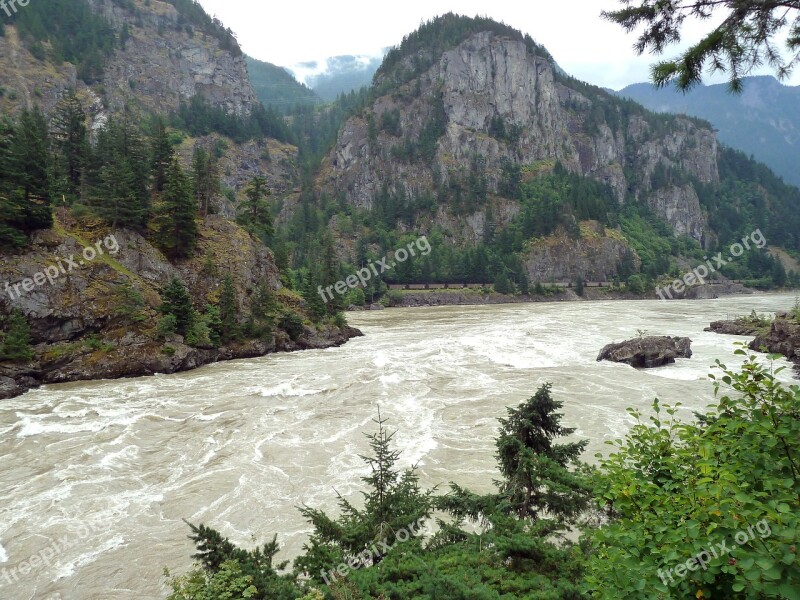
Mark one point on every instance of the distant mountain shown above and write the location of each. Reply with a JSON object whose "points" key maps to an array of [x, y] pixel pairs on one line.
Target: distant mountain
{"points": [[275, 86], [763, 121], [338, 74]]}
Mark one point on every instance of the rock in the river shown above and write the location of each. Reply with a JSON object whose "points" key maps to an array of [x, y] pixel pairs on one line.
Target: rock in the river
{"points": [[648, 352], [734, 328]]}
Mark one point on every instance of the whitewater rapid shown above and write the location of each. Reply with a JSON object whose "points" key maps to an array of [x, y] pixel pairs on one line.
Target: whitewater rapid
{"points": [[101, 474]]}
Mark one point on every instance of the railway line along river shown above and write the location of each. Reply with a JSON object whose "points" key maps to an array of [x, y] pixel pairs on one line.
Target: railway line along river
{"points": [[97, 477]]}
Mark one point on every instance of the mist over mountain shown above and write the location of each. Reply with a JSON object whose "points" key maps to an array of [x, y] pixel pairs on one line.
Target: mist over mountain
{"points": [[764, 121], [336, 75]]}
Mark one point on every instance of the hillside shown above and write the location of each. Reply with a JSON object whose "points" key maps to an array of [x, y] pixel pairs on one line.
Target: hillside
{"points": [[475, 138], [764, 121], [134, 124], [276, 87]]}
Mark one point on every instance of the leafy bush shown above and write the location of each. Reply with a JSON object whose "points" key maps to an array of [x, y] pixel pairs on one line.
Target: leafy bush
{"points": [[674, 491]]}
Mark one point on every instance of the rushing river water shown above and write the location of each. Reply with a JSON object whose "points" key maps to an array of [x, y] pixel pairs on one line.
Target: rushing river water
{"points": [[97, 477]]}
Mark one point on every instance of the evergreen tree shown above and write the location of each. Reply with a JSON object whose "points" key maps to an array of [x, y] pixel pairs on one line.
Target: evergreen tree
{"points": [[257, 217], [70, 138], [536, 477], [118, 175], [175, 221], [743, 41], [175, 301], [13, 215], [15, 343], [310, 292], [229, 310], [394, 501], [24, 180], [205, 177], [161, 155]]}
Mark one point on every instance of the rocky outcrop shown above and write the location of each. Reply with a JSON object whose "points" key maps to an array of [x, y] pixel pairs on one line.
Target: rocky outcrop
{"points": [[595, 256], [738, 327], [98, 319], [648, 352], [138, 355], [783, 337]]}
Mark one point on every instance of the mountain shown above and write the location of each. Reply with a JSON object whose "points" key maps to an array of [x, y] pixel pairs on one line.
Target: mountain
{"points": [[764, 121], [475, 139], [337, 75], [275, 86], [135, 154]]}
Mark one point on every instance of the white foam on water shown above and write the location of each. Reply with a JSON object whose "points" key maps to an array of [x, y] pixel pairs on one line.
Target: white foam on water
{"points": [[3, 554]]}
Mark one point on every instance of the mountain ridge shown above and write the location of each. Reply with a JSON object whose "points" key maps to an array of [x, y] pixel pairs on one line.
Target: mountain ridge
{"points": [[764, 121]]}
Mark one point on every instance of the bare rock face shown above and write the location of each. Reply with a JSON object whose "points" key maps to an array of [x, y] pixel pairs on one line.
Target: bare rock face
{"points": [[546, 118], [648, 352], [595, 257]]}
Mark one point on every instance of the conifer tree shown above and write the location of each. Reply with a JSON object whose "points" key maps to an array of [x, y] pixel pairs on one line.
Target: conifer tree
{"points": [[205, 177], [26, 161], [15, 343], [536, 476], [71, 142], [161, 155], [257, 217], [310, 293], [175, 222], [175, 301], [229, 310], [118, 176], [393, 502]]}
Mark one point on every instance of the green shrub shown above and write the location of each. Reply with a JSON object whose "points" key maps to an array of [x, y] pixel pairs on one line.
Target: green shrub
{"points": [[15, 338], [291, 323], [676, 490], [167, 327]]}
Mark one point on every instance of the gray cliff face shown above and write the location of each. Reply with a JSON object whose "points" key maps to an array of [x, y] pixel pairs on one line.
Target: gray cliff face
{"points": [[158, 68], [161, 66], [546, 118]]}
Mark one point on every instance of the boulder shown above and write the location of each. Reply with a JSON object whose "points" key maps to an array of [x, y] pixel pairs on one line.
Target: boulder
{"points": [[648, 352]]}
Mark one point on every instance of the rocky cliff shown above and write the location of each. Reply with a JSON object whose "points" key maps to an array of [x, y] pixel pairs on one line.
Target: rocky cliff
{"points": [[158, 63], [498, 102]]}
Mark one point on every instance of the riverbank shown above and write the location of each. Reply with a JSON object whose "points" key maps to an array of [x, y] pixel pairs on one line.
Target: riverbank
{"points": [[780, 336], [140, 356], [486, 296]]}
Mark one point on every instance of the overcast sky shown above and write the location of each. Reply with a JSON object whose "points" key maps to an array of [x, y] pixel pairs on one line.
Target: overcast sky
{"points": [[586, 46]]}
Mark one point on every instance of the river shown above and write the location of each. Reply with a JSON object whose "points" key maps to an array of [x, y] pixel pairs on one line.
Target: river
{"points": [[97, 477]]}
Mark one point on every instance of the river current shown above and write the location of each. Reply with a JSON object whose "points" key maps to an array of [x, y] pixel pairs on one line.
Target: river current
{"points": [[95, 478]]}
